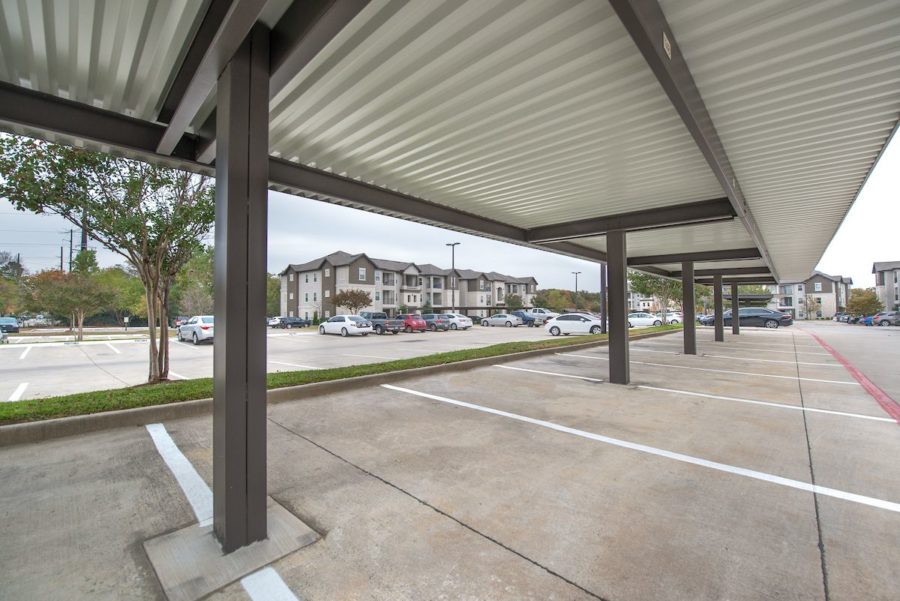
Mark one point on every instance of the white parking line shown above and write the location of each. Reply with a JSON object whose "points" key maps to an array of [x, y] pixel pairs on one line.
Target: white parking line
{"points": [[550, 373], [195, 489], [294, 365], [681, 457], [176, 376], [19, 391], [647, 350], [114, 349], [720, 371], [369, 357], [267, 585], [733, 347], [25, 352]]}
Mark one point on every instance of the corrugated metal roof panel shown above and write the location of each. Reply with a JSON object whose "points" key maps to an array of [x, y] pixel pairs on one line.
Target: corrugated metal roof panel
{"points": [[804, 95], [688, 238], [528, 112]]}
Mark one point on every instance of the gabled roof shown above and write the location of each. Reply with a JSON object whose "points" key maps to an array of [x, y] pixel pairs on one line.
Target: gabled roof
{"points": [[885, 266], [336, 259], [469, 274], [429, 269], [388, 265], [847, 280]]}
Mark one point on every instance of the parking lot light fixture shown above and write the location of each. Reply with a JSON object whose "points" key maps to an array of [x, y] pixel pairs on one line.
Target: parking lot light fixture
{"points": [[453, 246], [575, 273]]}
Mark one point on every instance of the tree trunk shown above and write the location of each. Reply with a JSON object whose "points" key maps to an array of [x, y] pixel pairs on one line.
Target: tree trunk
{"points": [[153, 375], [163, 358], [79, 317]]}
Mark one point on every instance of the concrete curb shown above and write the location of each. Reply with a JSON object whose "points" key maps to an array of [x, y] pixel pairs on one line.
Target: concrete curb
{"points": [[49, 429]]}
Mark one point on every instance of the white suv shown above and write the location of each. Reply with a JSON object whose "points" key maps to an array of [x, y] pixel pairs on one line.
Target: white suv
{"points": [[541, 315]]}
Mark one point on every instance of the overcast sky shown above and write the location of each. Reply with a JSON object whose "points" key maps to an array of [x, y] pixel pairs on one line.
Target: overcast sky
{"points": [[301, 229]]}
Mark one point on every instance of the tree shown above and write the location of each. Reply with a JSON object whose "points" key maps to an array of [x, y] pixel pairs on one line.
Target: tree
{"points": [[354, 300], [128, 292], [514, 302], [812, 305], [11, 292], [10, 268], [553, 299], [273, 295], [663, 289], [192, 292], [74, 295], [863, 302], [152, 216]]}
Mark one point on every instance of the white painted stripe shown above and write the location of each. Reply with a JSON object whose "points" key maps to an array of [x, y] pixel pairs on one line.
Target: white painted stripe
{"points": [[114, 349], [730, 347], [294, 365], [721, 371], [646, 350], [369, 357], [19, 391], [17, 339], [195, 489], [267, 585], [722, 467], [550, 373], [76, 344], [176, 376], [25, 352]]}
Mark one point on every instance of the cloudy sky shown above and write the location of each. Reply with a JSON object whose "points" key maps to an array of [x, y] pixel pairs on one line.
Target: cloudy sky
{"points": [[301, 229]]}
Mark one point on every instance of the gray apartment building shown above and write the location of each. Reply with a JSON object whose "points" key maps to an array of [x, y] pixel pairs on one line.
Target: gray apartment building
{"points": [[829, 295], [308, 289], [887, 284]]}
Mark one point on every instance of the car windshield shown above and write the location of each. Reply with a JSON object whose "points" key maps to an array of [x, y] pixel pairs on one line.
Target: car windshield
{"points": [[8, 320], [207, 319], [356, 319]]}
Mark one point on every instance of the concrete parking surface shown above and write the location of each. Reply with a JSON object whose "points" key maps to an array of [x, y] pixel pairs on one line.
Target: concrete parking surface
{"points": [[759, 469]]}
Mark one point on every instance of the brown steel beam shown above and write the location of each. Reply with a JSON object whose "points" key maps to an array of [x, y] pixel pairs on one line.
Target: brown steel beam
{"points": [[718, 309], [705, 211], [746, 280], [698, 273], [735, 310], [688, 306], [646, 24], [734, 254], [619, 366]]}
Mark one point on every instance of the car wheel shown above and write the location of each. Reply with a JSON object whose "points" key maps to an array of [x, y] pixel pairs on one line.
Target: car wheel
{"points": [[364, 334], [453, 326], [196, 340], [290, 326], [595, 330], [407, 329], [657, 323], [433, 328], [771, 323], [485, 323], [379, 330], [344, 332], [508, 324], [554, 330], [629, 325], [322, 330], [674, 321], [884, 322]]}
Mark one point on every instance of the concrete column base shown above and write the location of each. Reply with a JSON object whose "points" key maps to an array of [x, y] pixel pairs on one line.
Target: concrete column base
{"points": [[190, 563]]}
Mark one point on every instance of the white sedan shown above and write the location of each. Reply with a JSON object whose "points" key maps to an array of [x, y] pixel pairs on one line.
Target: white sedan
{"points": [[458, 322], [502, 319], [197, 329], [347, 325], [643, 319], [574, 323]]}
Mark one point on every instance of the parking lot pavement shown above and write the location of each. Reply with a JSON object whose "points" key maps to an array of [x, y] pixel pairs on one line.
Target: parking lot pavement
{"points": [[534, 479], [57, 368]]}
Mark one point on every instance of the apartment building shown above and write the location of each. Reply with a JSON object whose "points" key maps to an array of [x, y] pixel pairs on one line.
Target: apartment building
{"points": [[308, 289], [887, 284], [819, 297]]}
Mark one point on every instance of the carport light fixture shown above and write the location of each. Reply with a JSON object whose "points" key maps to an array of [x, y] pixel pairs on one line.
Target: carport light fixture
{"points": [[453, 246], [576, 288]]}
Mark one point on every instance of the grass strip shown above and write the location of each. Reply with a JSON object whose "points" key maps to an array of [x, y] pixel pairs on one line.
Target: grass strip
{"points": [[147, 395]]}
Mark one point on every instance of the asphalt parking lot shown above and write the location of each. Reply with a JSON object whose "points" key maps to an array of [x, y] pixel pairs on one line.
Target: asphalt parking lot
{"points": [[759, 469], [54, 368]]}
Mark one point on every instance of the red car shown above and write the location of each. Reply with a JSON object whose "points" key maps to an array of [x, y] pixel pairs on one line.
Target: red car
{"points": [[413, 323]]}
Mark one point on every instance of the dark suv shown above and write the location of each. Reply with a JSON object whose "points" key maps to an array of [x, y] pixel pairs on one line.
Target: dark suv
{"points": [[293, 322], [527, 320], [436, 322], [753, 316]]}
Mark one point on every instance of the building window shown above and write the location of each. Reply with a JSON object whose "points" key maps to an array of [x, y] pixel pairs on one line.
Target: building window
{"points": [[799, 287], [327, 293], [327, 273], [314, 297], [327, 314], [306, 315], [307, 278], [291, 277], [409, 298], [291, 296], [817, 286], [378, 295], [362, 274], [453, 281], [377, 276], [290, 313]]}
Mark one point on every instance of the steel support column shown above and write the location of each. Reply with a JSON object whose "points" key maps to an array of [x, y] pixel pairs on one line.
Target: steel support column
{"points": [[239, 364], [735, 308], [718, 309], [616, 257], [603, 298], [690, 318]]}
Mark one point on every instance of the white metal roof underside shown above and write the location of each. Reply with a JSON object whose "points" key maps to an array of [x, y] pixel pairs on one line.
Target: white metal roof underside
{"points": [[533, 112], [803, 95]]}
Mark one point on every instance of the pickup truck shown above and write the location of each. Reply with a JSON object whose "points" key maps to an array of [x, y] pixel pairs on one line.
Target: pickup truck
{"points": [[541, 315], [381, 323]]}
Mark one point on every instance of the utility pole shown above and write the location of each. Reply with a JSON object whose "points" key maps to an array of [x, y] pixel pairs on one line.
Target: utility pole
{"points": [[453, 246], [60, 258], [71, 240], [84, 236], [576, 288]]}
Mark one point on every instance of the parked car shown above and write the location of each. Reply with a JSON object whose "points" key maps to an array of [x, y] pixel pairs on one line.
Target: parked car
{"points": [[181, 320], [866, 320], [501, 319], [643, 319], [574, 323], [412, 323], [754, 316], [541, 315], [9, 325], [273, 322], [436, 321], [844, 318], [4, 338], [837, 317], [293, 322], [381, 323], [458, 322], [672, 317], [853, 318], [197, 329], [527, 318], [889, 318], [346, 325]]}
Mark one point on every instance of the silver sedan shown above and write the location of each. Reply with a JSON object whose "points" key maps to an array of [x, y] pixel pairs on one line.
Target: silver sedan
{"points": [[502, 319]]}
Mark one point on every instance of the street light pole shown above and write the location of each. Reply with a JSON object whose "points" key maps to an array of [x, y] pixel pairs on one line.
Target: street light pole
{"points": [[453, 246], [576, 288]]}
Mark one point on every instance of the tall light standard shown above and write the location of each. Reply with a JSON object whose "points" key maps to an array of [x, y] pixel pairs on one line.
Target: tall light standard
{"points": [[453, 246], [576, 288]]}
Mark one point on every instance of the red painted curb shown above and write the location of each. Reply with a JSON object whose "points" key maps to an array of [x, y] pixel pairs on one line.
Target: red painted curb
{"points": [[890, 406]]}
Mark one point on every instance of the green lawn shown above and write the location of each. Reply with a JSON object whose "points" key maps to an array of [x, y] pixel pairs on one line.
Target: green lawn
{"points": [[187, 390]]}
